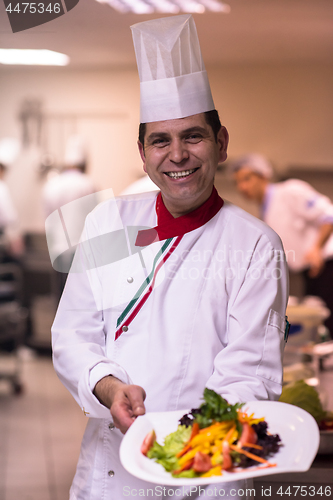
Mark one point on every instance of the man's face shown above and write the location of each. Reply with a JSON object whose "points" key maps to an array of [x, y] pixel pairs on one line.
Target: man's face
{"points": [[181, 157], [250, 184]]}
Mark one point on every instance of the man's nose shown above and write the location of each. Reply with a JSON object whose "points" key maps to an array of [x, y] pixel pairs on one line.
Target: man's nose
{"points": [[178, 151]]}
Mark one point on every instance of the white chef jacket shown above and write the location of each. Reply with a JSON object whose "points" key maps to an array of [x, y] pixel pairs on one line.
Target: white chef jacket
{"points": [[215, 318], [296, 211], [8, 214], [70, 193], [64, 188]]}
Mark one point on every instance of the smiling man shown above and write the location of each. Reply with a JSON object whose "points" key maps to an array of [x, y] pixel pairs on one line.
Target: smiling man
{"points": [[199, 298], [181, 157]]}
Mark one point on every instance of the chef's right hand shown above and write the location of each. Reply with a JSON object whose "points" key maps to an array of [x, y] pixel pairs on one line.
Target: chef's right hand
{"points": [[124, 401]]}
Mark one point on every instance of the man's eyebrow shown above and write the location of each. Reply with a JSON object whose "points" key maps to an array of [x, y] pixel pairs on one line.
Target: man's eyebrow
{"points": [[196, 128], [157, 135]]}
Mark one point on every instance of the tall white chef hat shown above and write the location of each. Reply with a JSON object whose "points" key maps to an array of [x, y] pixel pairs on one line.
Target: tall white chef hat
{"points": [[9, 149], [75, 152], [173, 79], [256, 162]]}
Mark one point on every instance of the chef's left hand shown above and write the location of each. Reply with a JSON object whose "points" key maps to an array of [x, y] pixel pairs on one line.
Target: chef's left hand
{"points": [[314, 257]]}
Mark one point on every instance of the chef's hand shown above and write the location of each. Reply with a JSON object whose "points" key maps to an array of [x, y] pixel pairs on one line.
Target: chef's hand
{"points": [[314, 257], [124, 401]]}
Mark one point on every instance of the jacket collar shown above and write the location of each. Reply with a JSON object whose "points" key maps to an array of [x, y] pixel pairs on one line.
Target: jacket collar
{"points": [[169, 226]]}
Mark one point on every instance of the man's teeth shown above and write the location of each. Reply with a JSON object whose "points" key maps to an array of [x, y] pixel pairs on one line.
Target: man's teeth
{"points": [[176, 175]]}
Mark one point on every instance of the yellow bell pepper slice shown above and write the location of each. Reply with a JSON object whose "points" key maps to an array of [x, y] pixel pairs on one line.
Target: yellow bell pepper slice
{"points": [[214, 471]]}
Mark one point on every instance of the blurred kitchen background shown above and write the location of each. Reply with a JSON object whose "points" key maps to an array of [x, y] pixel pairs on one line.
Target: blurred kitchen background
{"points": [[270, 67]]}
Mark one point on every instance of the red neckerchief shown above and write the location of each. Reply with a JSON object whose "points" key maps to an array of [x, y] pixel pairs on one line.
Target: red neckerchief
{"points": [[169, 226]]}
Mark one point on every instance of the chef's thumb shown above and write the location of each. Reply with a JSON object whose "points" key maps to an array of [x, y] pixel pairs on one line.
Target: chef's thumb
{"points": [[136, 396]]}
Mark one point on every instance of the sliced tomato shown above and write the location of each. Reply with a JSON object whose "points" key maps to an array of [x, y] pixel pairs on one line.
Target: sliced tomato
{"points": [[227, 460], [148, 442], [202, 462], [248, 435]]}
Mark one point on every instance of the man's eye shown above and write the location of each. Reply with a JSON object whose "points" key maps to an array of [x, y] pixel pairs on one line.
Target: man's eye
{"points": [[194, 138], [159, 142]]}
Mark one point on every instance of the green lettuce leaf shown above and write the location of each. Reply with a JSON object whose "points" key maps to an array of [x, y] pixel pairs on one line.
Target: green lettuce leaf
{"points": [[186, 473], [173, 443], [215, 408]]}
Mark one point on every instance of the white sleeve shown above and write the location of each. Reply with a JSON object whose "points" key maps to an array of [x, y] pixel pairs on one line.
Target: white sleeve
{"points": [[78, 341], [309, 204], [250, 367], [8, 215]]}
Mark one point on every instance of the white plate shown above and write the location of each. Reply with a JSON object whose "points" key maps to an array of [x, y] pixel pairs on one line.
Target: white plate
{"points": [[297, 429]]}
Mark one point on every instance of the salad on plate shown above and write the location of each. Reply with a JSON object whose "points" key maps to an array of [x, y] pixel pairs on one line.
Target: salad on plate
{"points": [[213, 438]]}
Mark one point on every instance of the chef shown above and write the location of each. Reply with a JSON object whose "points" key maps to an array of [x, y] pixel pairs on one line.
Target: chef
{"points": [[73, 182], [142, 185], [171, 291], [11, 241], [59, 196], [301, 216]]}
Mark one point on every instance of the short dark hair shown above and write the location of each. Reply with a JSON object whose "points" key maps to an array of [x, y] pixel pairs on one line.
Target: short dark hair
{"points": [[211, 117]]}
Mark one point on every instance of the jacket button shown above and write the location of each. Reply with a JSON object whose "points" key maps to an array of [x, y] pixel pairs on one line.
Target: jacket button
{"points": [[130, 279], [125, 328], [111, 473], [111, 426]]}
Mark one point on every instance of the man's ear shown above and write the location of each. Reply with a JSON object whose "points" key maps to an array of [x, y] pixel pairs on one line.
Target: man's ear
{"points": [[223, 141], [142, 154]]}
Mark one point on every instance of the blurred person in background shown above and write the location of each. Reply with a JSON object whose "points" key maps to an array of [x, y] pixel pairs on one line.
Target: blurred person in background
{"points": [[11, 241], [71, 184], [11, 251], [142, 185], [302, 217]]}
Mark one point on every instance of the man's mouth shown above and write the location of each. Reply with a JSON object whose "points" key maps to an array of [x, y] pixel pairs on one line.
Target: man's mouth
{"points": [[178, 175]]}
